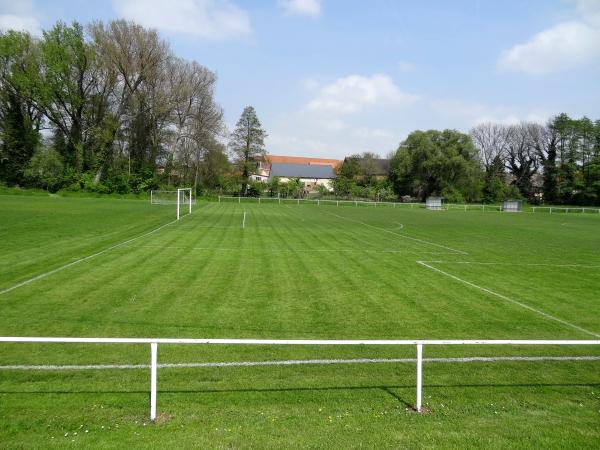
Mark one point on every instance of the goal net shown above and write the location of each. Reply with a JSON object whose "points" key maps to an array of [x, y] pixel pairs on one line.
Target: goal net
{"points": [[163, 197], [182, 198]]}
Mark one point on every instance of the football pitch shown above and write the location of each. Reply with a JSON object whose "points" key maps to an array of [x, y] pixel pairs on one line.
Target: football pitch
{"points": [[85, 267]]}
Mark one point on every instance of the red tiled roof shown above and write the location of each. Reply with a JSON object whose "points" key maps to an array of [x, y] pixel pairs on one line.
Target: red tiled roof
{"points": [[303, 160]]}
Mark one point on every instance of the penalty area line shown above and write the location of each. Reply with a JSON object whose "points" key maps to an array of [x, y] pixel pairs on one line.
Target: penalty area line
{"points": [[85, 258], [508, 299], [422, 241], [296, 362]]}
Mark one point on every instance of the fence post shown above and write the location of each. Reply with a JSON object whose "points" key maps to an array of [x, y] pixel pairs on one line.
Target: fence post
{"points": [[337, 203], [419, 375], [239, 199], [153, 365], [219, 199]]}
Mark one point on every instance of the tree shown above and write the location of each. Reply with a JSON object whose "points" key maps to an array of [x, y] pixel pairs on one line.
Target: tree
{"points": [[135, 63], [45, 169], [437, 163], [20, 122], [247, 143], [65, 85], [18, 140], [214, 165], [490, 141], [522, 160]]}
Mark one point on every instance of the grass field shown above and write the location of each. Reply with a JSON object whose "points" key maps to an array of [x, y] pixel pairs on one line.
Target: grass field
{"points": [[123, 268]]}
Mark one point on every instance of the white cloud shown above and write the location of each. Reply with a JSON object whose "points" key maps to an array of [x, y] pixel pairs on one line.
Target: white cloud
{"points": [[354, 93], [209, 19], [455, 112], [20, 23], [564, 46], [352, 114], [301, 7], [20, 16]]}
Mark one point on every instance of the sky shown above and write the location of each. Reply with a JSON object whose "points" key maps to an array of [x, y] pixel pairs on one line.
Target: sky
{"points": [[330, 78]]}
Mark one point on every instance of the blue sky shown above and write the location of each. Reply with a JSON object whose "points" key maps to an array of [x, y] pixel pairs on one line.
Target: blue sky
{"points": [[331, 77]]}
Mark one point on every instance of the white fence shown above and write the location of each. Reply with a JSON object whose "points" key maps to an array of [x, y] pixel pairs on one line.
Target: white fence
{"points": [[446, 206], [315, 201], [555, 209], [299, 342]]}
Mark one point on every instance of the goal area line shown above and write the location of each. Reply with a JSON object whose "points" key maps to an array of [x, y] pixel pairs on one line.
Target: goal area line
{"points": [[299, 362], [427, 264], [385, 230]]}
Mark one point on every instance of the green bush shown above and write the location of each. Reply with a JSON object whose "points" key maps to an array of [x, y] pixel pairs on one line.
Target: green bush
{"points": [[45, 170]]}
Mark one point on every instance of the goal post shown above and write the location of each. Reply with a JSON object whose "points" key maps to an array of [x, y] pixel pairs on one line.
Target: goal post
{"points": [[184, 198]]}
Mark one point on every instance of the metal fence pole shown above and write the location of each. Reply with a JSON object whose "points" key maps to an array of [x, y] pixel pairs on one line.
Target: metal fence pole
{"points": [[419, 376], [153, 366]]}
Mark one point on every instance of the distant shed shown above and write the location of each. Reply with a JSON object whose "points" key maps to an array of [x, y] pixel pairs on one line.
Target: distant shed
{"points": [[512, 206], [434, 203]]}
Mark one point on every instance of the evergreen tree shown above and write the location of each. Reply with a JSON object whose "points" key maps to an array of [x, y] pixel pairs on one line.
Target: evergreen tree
{"points": [[247, 144], [18, 140]]}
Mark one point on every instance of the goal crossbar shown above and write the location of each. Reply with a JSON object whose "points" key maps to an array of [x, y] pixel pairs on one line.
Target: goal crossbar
{"points": [[419, 343]]}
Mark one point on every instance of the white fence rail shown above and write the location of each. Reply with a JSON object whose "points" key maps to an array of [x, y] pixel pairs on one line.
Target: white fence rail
{"points": [[446, 206], [315, 201], [300, 342], [556, 209]]}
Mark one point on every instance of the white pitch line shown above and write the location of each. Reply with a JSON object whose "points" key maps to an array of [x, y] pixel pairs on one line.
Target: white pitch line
{"points": [[85, 258], [398, 234], [244, 220], [508, 299], [291, 250], [294, 362], [583, 266]]}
